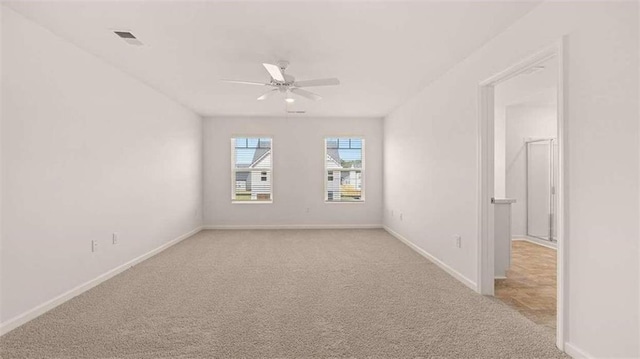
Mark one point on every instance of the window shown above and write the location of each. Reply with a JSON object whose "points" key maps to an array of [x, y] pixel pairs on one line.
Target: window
{"points": [[344, 169], [251, 169]]}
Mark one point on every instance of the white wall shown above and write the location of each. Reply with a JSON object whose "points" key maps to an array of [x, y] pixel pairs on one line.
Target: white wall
{"points": [[524, 121], [298, 172], [1, 161], [436, 132], [87, 151]]}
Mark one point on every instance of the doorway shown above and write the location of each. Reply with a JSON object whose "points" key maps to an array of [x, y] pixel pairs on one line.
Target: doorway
{"points": [[538, 200]]}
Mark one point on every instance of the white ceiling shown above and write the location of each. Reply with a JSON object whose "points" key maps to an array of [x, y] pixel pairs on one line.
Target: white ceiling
{"points": [[382, 52]]}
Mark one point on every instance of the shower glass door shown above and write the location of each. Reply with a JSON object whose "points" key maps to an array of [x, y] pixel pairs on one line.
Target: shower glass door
{"points": [[540, 189]]}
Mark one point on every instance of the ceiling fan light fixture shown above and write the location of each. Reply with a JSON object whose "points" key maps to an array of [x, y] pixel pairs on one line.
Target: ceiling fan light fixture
{"points": [[290, 99]]}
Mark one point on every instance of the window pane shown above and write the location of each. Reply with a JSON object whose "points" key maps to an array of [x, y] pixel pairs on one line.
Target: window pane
{"points": [[244, 157], [254, 185], [252, 169], [344, 186], [265, 143], [332, 143], [351, 158], [249, 151], [343, 165]]}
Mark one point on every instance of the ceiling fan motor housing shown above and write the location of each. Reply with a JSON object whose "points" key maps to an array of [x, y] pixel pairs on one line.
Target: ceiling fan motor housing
{"points": [[283, 64]]}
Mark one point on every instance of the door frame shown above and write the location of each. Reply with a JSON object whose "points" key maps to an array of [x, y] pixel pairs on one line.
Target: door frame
{"points": [[486, 255]]}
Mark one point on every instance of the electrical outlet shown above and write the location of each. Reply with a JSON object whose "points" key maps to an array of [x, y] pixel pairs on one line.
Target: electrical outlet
{"points": [[458, 241], [401, 216], [94, 245], [114, 238], [307, 210]]}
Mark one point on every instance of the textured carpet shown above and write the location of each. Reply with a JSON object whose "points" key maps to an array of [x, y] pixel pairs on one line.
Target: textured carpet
{"points": [[284, 294]]}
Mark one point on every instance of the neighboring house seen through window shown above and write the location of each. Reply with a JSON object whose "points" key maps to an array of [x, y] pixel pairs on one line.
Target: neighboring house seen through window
{"points": [[344, 169], [251, 169]]}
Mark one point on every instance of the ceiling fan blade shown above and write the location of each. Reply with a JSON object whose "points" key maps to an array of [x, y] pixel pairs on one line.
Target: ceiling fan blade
{"points": [[245, 82], [275, 72], [319, 82], [307, 94], [267, 95]]}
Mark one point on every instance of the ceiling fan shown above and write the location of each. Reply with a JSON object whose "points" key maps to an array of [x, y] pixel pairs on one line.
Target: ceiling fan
{"points": [[287, 84]]}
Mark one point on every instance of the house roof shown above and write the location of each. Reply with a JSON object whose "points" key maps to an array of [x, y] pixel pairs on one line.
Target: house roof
{"points": [[333, 152], [259, 155], [335, 155]]}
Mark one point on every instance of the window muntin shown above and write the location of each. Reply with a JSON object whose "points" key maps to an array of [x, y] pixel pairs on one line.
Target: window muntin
{"points": [[344, 169], [251, 169]]}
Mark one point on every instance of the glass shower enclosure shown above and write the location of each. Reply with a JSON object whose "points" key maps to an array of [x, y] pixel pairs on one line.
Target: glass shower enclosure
{"points": [[541, 181]]}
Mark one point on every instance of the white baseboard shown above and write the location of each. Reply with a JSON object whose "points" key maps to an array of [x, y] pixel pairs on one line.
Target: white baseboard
{"points": [[21, 319], [293, 226], [457, 275], [575, 352]]}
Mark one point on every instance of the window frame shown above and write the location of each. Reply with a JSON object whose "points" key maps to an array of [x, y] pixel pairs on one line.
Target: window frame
{"points": [[233, 170], [362, 170]]}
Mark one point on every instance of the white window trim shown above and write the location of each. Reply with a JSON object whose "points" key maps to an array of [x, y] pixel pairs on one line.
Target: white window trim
{"points": [[362, 170], [233, 170]]}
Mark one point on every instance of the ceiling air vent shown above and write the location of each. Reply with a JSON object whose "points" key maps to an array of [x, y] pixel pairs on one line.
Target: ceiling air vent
{"points": [[297, 112], [128, 37]]}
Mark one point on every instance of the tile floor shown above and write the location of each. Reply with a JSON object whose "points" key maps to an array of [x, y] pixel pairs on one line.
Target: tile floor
{"points": [[530, 286]]}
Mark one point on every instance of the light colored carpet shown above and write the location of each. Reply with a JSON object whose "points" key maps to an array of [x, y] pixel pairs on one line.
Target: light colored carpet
{"points": [[284, 294]]}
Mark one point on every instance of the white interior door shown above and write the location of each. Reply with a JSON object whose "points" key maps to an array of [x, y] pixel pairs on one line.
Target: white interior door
{"points": [[539, 194]]}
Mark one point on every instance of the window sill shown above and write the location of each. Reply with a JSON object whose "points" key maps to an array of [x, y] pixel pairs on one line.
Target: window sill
{"points": [[344, 202], [251, 202]]}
